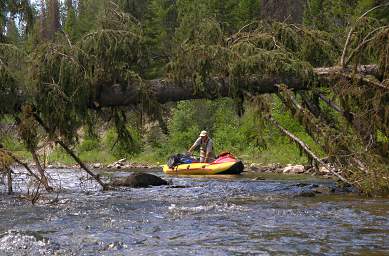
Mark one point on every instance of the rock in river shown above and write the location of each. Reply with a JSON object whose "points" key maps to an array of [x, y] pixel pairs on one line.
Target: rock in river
{"points": [[139, 180]]}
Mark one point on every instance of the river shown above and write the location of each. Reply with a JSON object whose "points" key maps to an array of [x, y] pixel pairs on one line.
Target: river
{"points": [[199, 216]]}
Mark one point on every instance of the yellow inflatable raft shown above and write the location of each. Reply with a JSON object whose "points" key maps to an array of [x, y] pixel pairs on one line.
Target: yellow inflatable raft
{"points": [[224, 164]]}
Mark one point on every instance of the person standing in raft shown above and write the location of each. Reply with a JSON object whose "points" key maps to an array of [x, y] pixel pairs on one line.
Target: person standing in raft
{"points": [[206, 147]]}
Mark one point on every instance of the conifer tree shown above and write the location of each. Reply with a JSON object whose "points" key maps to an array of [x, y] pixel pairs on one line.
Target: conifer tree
{"points": [[53, 18], [70, 22], [247, 11], [13, 34]]}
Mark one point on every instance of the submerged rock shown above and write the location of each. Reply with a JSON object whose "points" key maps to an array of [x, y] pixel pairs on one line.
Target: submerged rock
{"points": [[308, 190], [139, 180], [306, 194], [324, 190]]}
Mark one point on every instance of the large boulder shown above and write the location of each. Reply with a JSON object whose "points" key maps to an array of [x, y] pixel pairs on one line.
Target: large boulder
{"points": [[139, 180]]}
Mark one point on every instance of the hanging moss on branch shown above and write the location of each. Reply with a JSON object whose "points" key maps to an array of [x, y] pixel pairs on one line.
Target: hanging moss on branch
{"points": [[12, 64], [58, 81], [67, 77]]}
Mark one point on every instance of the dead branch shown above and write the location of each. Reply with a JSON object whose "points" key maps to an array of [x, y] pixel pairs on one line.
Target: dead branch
{"points": [[365, 80], [307, 150], [330, 103], [342, 62], [364, 42], [41, 171], [71, 153], [9, 181], [23, 164]]}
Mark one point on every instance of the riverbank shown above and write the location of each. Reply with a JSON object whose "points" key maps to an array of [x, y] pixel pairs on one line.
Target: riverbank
{"points": [[289, 169]]}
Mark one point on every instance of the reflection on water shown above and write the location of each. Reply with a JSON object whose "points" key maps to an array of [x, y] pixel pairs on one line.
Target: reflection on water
{"points": [[207, 216]]}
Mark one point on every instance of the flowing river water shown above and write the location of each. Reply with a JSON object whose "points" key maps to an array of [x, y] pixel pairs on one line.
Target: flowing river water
{"points": [[196, 216]]}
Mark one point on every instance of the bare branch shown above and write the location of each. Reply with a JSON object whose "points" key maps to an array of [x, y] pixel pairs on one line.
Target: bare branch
{"points": [[368, 38], [342, 62], [307, 150], [71, 153]]}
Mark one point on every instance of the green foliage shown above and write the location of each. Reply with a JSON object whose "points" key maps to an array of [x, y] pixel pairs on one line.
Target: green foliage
{"points": [[59, 156], [123, 148], [13, 32], [59, 84], [11, 143], [70, 23], [189, 15], [89, 12], [248, 136], [247, 11], [11, 70], [5, 161], [94, 150], [154, 138], [8, 90], [9, 9], [137, 8], [332, 15], [89, 144], [28, 128], [122, 42], [160, 27]]}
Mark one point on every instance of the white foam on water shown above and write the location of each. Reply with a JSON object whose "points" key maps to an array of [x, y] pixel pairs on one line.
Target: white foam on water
{"points": [[16, 243], [216, 207]]}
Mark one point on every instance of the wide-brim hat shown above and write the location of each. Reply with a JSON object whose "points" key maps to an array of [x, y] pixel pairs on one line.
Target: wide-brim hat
{"points": [[203, 133]]}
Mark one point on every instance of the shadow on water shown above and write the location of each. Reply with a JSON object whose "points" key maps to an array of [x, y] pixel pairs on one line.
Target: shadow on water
{"points": [[197, 216]]}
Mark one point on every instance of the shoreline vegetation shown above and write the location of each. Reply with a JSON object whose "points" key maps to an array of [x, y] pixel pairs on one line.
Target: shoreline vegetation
{"points": [[259, 146], [93, 81], [263, 149]]}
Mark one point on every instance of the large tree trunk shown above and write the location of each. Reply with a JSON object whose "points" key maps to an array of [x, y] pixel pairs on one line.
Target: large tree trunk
{"points": [[290, 11], [43, 21], [53, 16], [162, 91], [69, 4], [111, 95]]}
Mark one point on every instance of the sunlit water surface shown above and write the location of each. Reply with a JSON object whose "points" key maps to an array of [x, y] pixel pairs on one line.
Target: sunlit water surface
{"points": [[202, 216]]}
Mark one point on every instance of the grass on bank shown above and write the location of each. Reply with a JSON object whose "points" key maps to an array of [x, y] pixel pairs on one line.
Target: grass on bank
{"points": [[243, 136], [280, 151]]}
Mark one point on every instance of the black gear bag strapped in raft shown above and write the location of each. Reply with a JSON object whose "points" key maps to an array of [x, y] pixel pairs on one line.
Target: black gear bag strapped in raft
{"points": [[178, 159]]}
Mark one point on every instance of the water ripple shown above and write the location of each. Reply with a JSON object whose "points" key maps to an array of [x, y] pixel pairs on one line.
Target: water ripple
{"points": [[201, 216]]}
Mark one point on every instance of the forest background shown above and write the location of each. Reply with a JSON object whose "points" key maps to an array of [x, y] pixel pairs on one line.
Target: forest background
{"points": [[234, 125]]}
